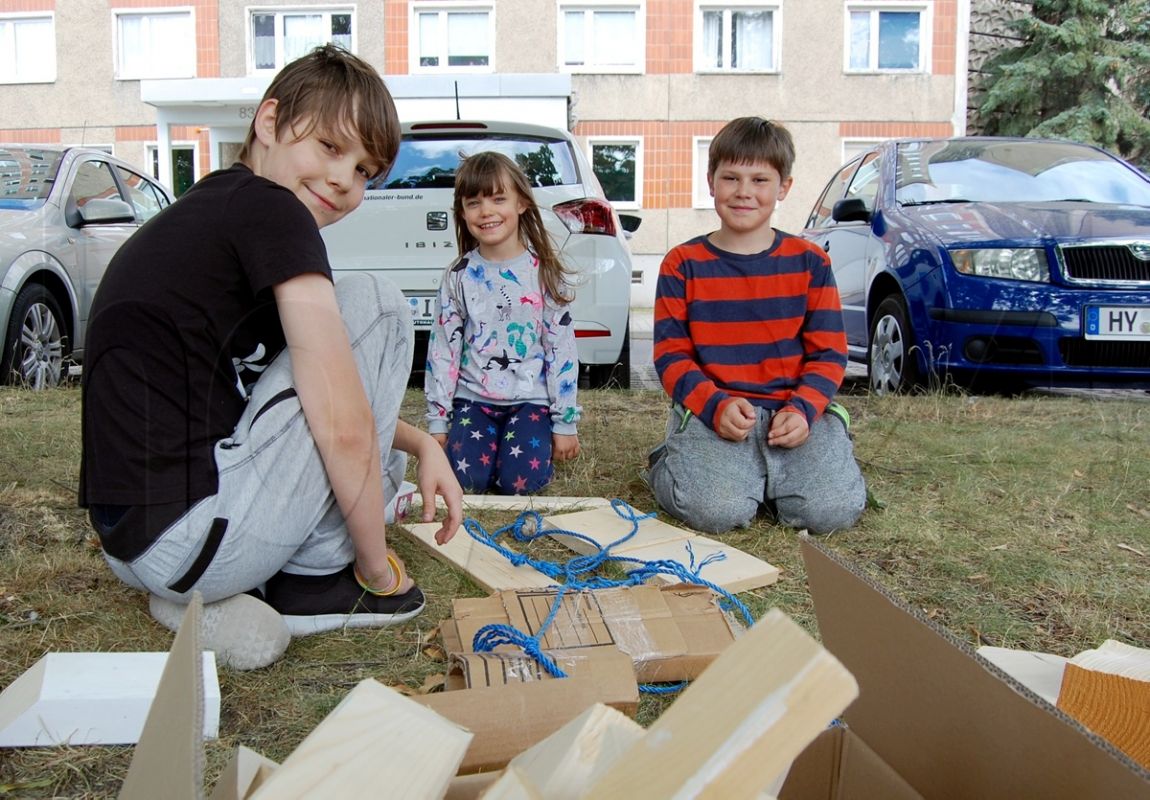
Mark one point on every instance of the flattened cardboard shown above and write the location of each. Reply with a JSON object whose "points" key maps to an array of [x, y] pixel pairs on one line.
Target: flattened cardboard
{"points": [[610, 670], [951, 724], [671, 633]]}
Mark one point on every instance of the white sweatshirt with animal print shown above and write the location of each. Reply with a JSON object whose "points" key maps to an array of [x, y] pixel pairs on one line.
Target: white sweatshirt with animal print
{"points": [[497, 339]]}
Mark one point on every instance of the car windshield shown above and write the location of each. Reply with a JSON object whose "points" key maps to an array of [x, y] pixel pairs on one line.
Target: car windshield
{"points": [[26, 176], [428, 161], [1014, 171]]}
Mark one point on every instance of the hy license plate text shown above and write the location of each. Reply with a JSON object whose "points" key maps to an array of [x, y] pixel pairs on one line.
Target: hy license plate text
{"points": [[422, 310], [1129, 323]]}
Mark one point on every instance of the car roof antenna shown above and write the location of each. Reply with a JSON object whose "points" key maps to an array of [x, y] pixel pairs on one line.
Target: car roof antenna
{"points": [[457, 117]]}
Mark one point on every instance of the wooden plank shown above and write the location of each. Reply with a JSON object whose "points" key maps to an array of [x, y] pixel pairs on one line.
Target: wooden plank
{"points": [[564, 764], [738, 726], [245, 773], [512, 785], [656, 540], [376, 742], [485, 566]]}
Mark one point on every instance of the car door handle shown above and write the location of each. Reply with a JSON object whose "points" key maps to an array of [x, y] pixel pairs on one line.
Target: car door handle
{"points": [[827, 246]]}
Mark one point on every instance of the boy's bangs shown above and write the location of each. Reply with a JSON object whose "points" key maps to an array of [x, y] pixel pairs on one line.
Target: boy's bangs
{"points": [[353, 120]]}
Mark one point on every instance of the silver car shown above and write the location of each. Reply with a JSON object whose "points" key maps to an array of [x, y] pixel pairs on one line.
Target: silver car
{"points": [[405, 230], [64, 211]]}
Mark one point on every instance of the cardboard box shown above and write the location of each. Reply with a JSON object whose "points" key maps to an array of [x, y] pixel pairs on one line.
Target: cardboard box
{"points": [[671, 633], [946, 722]]}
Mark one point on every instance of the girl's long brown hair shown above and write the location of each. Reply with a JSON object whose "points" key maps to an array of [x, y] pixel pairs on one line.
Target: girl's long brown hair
{"points": [[488, 173]]}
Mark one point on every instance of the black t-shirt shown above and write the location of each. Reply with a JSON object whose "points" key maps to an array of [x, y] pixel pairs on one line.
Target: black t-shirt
{"points": [[183, 321]]}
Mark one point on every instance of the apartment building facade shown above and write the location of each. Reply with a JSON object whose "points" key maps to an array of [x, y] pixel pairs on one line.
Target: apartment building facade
{"points": [[644, 84]]}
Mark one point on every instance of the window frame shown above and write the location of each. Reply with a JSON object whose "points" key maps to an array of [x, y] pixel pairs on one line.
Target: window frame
{"points": [[121, 74], [875, 7], [700, 147], [727, 6], [12, 20], [589, 8], [444, 11], [637, 142], [279, 11]]}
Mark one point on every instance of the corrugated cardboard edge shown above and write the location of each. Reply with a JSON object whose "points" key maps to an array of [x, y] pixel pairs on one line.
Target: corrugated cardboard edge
{"points": [[952, 727]]}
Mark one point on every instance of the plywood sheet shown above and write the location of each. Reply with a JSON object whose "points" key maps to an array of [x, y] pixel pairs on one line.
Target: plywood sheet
{"points": [[486, 567]]}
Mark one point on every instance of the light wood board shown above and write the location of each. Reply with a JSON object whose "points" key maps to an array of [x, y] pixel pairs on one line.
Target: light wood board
{"points": [[536, 502], [486, 567], [657, 540], [741, 723], [375, 743]]}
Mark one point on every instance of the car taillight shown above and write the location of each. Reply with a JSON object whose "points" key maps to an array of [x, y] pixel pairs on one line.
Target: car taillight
{"points": [[587, 216]]}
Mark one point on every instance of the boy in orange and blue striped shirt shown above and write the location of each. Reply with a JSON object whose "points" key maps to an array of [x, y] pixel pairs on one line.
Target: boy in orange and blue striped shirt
{"points": [[749, 344]]}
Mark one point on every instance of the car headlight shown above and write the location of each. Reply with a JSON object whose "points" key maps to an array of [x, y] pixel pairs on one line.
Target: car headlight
{"points": [[1016, 264]]}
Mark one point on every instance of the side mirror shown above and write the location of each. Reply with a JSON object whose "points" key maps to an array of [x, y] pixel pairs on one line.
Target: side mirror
{"points": [[105, 211], [852, 209], [630, 224]]}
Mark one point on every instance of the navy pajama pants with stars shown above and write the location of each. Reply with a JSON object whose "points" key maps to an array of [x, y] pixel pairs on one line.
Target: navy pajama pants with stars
{"points": [[501, 449]]}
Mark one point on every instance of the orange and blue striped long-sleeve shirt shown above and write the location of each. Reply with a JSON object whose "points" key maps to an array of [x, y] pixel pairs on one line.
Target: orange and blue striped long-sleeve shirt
{"points": [[767, 327]]}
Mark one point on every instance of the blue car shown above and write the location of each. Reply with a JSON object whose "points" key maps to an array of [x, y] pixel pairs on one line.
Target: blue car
{"points": [[996, 262]]}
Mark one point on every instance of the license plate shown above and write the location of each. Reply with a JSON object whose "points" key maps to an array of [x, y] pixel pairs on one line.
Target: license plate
{"points": [[1123, 323], [422, 310]]}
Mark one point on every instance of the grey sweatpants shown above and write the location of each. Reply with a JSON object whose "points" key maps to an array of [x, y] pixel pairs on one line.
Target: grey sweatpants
{"points": [[275, 508], [715, 485]]}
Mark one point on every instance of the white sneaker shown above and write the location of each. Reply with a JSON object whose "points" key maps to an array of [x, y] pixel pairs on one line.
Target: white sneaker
{"points": [[244, 631]]}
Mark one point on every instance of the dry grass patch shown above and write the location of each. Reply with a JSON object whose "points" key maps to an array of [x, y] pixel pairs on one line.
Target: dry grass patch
{"points": [[1019, 522]]}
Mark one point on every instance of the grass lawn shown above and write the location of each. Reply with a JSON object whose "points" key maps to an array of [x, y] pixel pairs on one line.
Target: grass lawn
{"points": [[1015, 522]]}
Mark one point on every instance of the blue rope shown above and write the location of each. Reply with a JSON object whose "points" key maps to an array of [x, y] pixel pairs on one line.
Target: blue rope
{"points": [[578, 574]]}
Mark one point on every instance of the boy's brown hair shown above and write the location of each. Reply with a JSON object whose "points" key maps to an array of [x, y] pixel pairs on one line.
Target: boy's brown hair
{"points": [[752, 140], [489, 173], [335, 92]]}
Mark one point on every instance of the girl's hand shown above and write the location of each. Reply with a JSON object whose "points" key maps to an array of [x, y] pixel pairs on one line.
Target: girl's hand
{"points": [[564, 447], [788, 429]]}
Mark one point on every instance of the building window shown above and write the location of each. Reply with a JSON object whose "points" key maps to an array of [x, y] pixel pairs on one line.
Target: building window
{"points": [[891, 37], [459, 39], [736, 38], [278, 37], [155, 44], [701, 190], [601, 38], [27, 49], [618, 164]]}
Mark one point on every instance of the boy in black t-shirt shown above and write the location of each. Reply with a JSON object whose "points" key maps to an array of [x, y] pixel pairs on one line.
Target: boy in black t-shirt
{"points": [[240, 431]]}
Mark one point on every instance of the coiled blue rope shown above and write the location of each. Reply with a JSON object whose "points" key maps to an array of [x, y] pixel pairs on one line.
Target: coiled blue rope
{"points": [[578, 574]]}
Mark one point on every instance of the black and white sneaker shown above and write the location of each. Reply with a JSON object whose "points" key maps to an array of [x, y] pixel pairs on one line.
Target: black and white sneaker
{"points": [[317, 603]]}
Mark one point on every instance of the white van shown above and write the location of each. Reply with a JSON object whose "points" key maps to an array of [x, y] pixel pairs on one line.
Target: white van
{"points": [[405, 229]]}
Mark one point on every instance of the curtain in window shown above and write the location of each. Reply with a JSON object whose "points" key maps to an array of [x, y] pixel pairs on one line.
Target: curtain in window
{"points": [[752, 37], [302, 33], [156, 45], [467, 40], [614, 39], [133, 45], [429, 39], [264, 41], [574, 33], [27, 50], [860, 40], [713, 39]]}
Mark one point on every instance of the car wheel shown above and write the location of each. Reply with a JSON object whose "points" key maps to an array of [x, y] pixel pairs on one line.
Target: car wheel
{"points": [[891, 363], [612, 376], [34, 345]]}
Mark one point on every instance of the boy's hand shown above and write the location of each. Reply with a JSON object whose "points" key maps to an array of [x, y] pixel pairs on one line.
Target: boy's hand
{"points": [[435, 477], [441, 438], [788, 429], [564, 447], [736, 420]]}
